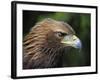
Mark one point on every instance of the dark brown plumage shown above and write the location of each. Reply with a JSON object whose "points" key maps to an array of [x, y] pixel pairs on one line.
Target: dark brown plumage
{"points": [[42, 46]]}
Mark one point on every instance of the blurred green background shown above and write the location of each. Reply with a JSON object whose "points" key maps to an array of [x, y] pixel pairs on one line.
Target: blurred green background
{"points": [[80, 23]]}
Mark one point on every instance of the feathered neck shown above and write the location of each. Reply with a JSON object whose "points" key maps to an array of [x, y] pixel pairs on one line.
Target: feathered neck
{"points": [[38, 53]]}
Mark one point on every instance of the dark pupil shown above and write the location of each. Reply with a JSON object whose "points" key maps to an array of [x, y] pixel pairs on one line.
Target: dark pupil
{"points": [[61, 34]]}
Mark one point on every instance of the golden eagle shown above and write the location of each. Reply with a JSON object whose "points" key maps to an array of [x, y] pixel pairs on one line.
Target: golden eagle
{"points": [[43, 46]]}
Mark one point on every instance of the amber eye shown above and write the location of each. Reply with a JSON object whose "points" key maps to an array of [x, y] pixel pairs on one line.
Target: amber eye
{"points": [[61, 34]]}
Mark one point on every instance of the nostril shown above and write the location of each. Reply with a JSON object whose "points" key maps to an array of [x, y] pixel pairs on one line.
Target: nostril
{"points": [[74, 39]]}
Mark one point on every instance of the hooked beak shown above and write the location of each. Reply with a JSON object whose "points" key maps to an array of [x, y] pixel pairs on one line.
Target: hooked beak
{"points": [[72, 41]]}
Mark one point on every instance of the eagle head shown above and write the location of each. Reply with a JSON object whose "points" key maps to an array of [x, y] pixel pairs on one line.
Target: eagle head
{"points": [[45, 41]]}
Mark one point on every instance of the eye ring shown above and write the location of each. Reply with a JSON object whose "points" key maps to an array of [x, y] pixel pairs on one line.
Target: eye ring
{"points": [[61, 34]]}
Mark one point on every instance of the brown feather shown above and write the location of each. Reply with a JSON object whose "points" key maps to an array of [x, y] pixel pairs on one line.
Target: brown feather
{"points": [[41, 48]]}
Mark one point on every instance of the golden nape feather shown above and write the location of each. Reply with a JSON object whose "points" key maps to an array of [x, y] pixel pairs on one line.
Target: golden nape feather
{"points": [[43, 46]]}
